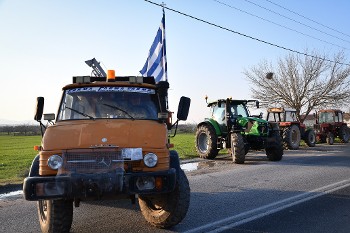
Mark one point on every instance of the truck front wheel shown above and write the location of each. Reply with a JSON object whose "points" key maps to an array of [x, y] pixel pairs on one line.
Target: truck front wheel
{"points": [[55, 215], [167, 210]]}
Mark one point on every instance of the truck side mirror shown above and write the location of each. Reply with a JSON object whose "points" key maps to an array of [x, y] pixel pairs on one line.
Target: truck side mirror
{"points": [[183, 109], [39, 108], [257, 104]]}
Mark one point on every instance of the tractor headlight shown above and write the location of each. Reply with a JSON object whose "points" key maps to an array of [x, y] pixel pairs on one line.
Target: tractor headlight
{"points": [[150, 160], [55, 162]]}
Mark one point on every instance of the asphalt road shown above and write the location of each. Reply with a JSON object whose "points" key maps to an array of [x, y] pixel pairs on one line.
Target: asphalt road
{"points": [[308, 191], [329, 213]]}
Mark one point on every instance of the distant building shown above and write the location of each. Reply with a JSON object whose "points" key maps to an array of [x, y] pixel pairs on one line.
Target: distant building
{"points": [[347, 118]]}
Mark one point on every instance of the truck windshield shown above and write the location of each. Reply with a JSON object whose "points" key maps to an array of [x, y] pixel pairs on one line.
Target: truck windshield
{"points": [[109, 102]]}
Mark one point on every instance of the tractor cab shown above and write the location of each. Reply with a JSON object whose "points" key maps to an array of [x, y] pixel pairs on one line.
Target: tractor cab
{"points": [[330, 125], [330, 116], [281, 115]]}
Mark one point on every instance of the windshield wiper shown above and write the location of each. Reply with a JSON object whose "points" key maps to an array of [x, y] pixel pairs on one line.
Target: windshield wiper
{"points": [[122, 110], [81, 113]]}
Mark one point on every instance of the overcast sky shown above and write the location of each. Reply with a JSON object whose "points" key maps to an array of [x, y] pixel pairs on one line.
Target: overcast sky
{"points": [[44, 43]]}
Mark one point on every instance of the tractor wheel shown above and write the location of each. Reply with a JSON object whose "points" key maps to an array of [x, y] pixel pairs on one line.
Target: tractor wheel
{"points": [[238, 149], [310, 137], [206, 139], [275, 152], [167, 210], [330, 138], [291, 137], [55, 215], [344, 134], [246, 146]]}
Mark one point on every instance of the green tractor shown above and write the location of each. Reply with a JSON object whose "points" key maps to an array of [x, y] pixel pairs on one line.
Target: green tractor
{"points": [[230, 126]]}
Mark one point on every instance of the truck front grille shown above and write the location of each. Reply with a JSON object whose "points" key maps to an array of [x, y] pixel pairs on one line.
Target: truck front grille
{"points": [[92, 160]]}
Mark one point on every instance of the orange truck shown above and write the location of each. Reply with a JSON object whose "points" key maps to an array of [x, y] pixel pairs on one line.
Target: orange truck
{"points": [[109, 140]]}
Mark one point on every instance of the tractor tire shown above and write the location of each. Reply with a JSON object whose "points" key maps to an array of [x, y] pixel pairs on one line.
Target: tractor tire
{"points": [[344, 134], [275, 152], [55, 215], [291, 137], [206, 139], [330, 138], [310, 138], [167, 210], [238, 149], [246, 146]]}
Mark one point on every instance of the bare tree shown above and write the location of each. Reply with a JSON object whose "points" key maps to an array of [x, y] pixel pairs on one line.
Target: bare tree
{"points": [[302, 82]]}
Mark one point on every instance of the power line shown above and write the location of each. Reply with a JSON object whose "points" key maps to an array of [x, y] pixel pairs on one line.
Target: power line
{"points": [[242, 34], [280, 25], [308, 18], [295, 21]]}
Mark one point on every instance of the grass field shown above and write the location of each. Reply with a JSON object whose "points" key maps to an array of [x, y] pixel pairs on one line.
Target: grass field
{"points": [[17, 154]]}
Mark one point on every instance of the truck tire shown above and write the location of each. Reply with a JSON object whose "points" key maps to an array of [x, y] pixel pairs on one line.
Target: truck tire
{"points": [[310, 138], [275, 151], [206, 139], [330, 138], [34, 168], [167, 210], [55, 215], [291, 137], [344, 134], [238, 150]]}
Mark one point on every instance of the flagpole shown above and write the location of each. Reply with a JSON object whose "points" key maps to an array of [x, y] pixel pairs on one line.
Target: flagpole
{"points": [[164, 54], [164, 46]]}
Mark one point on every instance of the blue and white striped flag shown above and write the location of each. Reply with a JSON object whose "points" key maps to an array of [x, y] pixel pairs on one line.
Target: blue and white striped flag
{"points": [[156, 64]]}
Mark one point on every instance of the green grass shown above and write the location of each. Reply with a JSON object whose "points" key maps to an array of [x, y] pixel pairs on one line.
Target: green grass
{"points": [[184, 144], [16, 156]]}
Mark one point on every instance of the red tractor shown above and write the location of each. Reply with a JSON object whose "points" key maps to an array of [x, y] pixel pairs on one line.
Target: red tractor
{"points": [[329, 125], [292, 131]]}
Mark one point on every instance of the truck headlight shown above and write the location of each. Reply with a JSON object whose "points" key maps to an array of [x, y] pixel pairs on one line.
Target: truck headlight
{"points": [[55, 162], [150, 160]]}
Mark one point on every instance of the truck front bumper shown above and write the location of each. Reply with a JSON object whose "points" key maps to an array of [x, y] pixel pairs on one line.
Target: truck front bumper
{"points": [[98, 185]]}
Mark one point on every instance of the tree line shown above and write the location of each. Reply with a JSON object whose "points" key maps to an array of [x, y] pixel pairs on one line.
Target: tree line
{"points": [[20, 130]]}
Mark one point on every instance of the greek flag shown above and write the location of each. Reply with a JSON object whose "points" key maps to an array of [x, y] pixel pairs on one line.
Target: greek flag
{"points": [[156, 64]]}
